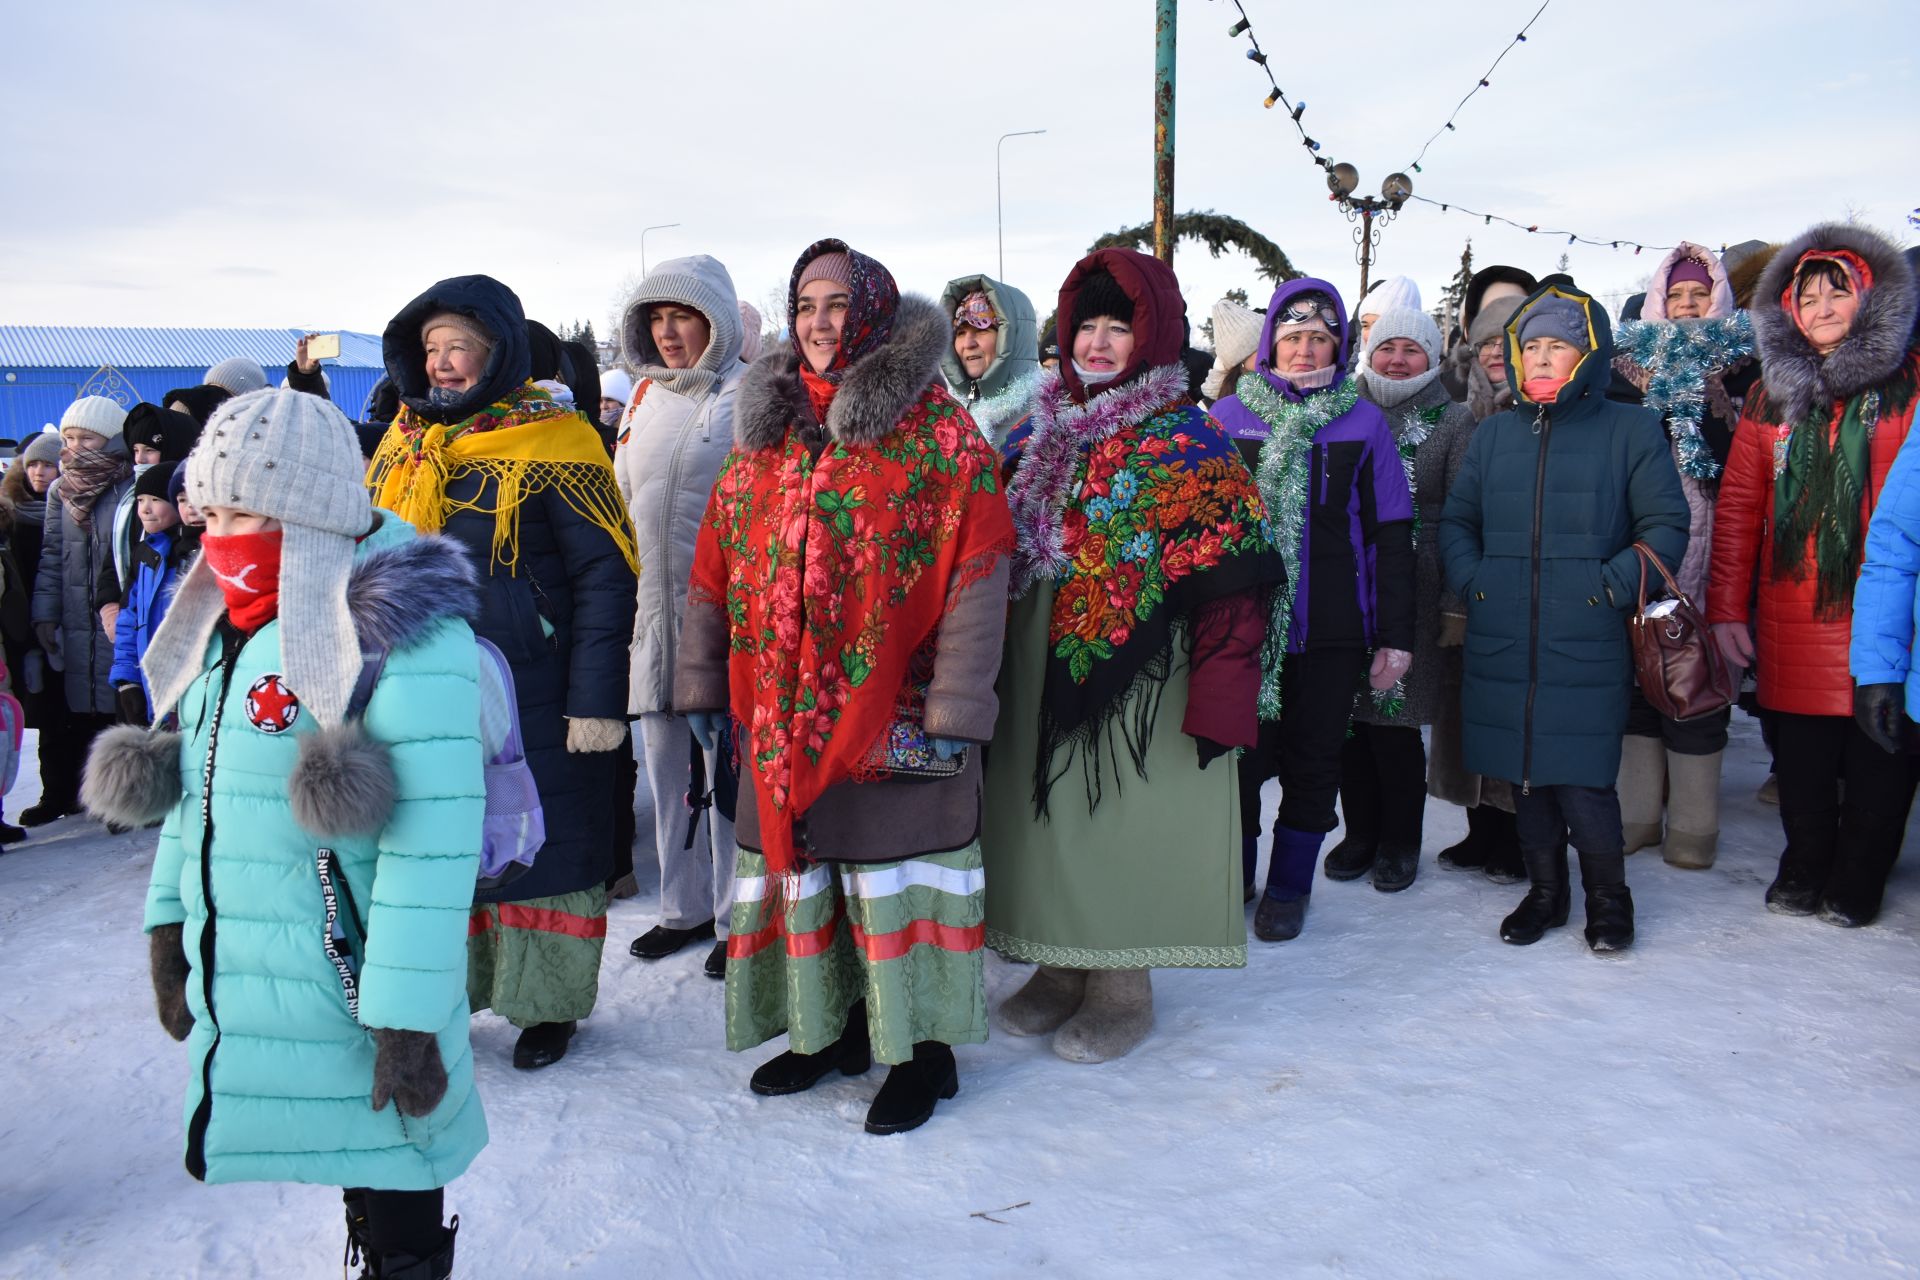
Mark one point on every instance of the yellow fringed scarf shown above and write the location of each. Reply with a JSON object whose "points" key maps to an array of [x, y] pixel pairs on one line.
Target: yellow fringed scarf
{"points": [[537, 445]]}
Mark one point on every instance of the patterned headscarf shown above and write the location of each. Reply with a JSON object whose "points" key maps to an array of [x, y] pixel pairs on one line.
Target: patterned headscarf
{"points": [[1859, 274], [975, 311], [874, 297]]}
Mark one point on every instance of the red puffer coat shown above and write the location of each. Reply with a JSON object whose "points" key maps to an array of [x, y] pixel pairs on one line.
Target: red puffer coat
{"points": [[1803, 658]]}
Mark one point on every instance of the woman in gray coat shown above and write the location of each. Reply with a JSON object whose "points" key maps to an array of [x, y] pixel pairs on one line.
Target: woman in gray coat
{"points": [[681, 334]]}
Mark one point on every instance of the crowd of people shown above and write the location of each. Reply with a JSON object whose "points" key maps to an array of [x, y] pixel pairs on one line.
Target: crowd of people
{"points": [[936, 629]]}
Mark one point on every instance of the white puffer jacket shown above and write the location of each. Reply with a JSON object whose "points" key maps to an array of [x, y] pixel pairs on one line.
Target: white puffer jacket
{"points": [[673, 437]]}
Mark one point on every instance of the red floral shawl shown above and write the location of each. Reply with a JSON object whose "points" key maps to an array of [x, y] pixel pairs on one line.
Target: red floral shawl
{"points": [[833, 571]]}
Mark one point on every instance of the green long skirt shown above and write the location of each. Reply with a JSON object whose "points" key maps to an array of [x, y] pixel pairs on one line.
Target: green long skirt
{"points": [[1149, 879]]}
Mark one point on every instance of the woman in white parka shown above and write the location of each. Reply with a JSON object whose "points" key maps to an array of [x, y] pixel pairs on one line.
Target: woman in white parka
{"points": [[681, 336]]}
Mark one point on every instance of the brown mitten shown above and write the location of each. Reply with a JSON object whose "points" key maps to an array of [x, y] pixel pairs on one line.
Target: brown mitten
{"points": [[1453, 630], [407, 1069], [168, 959]]}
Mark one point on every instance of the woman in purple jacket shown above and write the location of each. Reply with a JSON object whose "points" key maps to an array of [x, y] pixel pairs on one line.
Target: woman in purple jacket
{"points": [[1342, 515]]}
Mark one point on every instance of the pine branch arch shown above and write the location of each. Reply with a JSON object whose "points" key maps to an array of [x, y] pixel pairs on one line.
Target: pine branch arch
{"points": [[1219, 233]]}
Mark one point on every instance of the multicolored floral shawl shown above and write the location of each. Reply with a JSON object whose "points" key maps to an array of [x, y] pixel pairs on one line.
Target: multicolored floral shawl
{"points": [[834, 573], [1138, 508]]}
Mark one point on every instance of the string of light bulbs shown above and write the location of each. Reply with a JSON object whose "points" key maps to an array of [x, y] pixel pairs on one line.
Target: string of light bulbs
{"points": [[1532, 228], [1258, 57], [1485, 82]]}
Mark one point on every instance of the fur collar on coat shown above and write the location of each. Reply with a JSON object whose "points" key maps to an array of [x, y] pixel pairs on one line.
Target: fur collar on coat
{"points": [[1798, 379], [874, 393]]}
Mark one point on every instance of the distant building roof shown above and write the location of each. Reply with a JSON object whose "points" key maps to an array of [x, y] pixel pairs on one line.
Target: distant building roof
{"points": [[75, 347]]}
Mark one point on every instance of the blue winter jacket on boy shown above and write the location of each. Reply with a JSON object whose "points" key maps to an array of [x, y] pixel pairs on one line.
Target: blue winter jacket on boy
{"points": [[158, 559]]}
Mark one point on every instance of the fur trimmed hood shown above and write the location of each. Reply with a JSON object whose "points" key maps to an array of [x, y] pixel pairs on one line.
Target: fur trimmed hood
{"points": [[1797, 377], [401, 587], [874, 392]]}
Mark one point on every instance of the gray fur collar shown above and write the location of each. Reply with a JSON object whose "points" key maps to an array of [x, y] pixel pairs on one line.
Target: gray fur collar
{"points": [[1797, 378], [398, 593], [874, 393]]}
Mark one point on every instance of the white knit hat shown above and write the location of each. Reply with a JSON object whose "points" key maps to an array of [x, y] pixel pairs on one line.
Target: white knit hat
{"points": [[95, 413], [615, 384], [1395, 293], [293, 457], [238, 375], [1417, 326], [1236, 335]]}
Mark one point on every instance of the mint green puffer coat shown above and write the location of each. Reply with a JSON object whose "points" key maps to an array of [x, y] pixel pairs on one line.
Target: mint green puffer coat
{"points": [[281, 1071]]}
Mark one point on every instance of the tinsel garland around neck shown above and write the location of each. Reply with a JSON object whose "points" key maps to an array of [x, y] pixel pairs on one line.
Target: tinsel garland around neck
{"points": [[1005, 406], [1284, 476], [1679, 357]]}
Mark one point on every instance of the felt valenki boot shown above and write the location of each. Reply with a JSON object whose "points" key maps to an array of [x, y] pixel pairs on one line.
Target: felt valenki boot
{"points": [[1643, 790], [1693, 810], [1403, 811], [1545, 906], [1359, 809], [1470, 854], [1115, 1016], [1504, 864], [1049, 998]]}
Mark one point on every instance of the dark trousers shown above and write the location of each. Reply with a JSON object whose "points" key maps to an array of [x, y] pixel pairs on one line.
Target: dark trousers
{"points": [[1812, 755], [64, 740], [1383, 784], [1317, 687], [399, 1221], [1586, 817], [1702, 736], [625, 793]]}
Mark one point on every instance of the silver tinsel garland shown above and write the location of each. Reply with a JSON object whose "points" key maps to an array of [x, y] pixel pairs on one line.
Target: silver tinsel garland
{"points": [[1678, 356]]}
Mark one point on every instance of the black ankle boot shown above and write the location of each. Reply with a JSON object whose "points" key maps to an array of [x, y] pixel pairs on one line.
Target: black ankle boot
{"points": [[1806, 864], [906, 1101], [1359, 809], [1471, 853], [1395, 867], [798, 1072], [1545, 906], [1504, 864], [1603, 878], [435, 1265], [543, 1044]]}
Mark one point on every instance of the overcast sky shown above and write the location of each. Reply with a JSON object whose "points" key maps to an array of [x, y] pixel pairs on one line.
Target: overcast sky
{"points": [[317, 165]]}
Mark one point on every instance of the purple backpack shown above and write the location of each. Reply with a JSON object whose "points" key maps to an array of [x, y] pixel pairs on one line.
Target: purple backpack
{"points": [[515, 826]]}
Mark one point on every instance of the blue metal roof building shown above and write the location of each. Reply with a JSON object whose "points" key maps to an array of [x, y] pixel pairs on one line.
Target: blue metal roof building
{"points": [[44, 369]]}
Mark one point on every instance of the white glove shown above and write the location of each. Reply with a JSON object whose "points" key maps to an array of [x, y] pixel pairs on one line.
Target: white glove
{"points": [[589, 734], [1388, 666]]}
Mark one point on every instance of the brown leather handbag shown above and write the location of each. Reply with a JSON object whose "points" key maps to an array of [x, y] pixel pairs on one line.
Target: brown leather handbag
{"points": [[1682, 673]]}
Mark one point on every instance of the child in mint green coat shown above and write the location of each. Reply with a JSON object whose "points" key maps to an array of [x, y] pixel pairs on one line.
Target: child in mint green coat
{"points": [[308, 911]]}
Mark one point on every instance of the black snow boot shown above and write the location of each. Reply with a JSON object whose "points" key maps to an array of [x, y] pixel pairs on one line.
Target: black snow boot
{"points": [[1471, 853], [1805, 866], [543, 1044], [1403, 809], [906, 1101], [1359, 808], [436, 1265], [1864, 860], [1603, 877], [1545, 906], [793, 1072], [1504, 864]]}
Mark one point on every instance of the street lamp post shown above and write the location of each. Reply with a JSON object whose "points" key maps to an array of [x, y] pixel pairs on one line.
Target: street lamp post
{"points": [[999, 218], [1343, 180], [643, 242]]}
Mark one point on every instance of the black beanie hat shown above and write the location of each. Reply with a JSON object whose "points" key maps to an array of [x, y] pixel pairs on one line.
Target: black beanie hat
{"points": [[1100, 295], [173, 433], [201, 401], [153, 482]]}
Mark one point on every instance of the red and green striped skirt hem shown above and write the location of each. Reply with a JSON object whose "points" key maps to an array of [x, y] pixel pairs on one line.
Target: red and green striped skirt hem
{"points": [[904, 936]]}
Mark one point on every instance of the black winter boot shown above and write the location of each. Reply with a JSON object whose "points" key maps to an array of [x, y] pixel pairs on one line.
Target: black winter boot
{"points": [[912, 1090], [1359, 808], [1471, 853], [1603, 877], [1805, 865], [543, 1044], [436, 1265], [1403, 809], [1504, 864], [792, 1072], [1545, 906], [1861, 865]]}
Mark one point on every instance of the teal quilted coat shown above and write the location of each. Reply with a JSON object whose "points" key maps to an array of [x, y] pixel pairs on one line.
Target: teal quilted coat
{"points": [[282, 1070]]}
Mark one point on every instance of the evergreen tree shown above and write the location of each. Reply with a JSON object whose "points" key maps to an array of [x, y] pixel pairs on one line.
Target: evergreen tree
{"points": [[1446, 313]]}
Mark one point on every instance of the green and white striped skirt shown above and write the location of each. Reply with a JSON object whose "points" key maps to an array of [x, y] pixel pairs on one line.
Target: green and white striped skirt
{"points": [[904, 936]]}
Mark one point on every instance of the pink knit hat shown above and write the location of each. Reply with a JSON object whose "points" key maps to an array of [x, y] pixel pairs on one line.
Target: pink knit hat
{"points": [[750, 323], [837, 267]]}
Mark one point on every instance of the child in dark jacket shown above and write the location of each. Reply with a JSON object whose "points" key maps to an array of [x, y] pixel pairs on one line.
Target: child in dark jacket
{"points": [[163, 549]]}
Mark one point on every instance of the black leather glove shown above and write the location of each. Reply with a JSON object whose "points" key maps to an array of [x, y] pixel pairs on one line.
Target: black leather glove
{"points": [[1880, 711], [1209, 750], [168, 959], [407, 1069], [133, 704]]}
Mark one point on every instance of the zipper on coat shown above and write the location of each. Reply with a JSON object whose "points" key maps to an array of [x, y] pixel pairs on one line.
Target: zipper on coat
{"points": [[203, 1114], [1542, 427]]}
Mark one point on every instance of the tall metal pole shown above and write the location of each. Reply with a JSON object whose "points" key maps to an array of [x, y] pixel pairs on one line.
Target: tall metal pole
{"points": [[1366, 246], [999, 220], [643, 242], [1165, 13]]}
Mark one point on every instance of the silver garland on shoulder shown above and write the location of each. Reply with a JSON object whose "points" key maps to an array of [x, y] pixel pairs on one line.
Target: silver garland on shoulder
{"points": [[1678, 356], [1284, 473]]}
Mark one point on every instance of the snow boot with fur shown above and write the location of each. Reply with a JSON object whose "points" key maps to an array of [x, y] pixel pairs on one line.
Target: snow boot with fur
{"points": [[1693, 810], [914, 1088], [1545, 906], [1115, 1016], [1643, 790], [1049, 998]]}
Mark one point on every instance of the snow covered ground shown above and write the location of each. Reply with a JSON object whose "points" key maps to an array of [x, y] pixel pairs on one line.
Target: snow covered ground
{"points": [[1395, 1094]]}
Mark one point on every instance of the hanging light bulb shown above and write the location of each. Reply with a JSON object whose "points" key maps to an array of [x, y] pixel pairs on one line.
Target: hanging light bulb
{"points": [[1299, 109], [1271, 99], [1240, 28], [1254, 55]]}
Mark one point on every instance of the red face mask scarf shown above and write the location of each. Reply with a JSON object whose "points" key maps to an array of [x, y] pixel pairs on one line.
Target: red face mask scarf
{"points": [[248, 568], [1543, 390]]}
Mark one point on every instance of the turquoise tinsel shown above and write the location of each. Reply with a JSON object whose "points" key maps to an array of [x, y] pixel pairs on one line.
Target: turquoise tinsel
{"points": [[1678, 356]]}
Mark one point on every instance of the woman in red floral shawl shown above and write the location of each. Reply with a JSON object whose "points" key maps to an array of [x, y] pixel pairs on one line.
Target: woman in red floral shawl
{"points": [[846, 616], [1133, 663]]}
